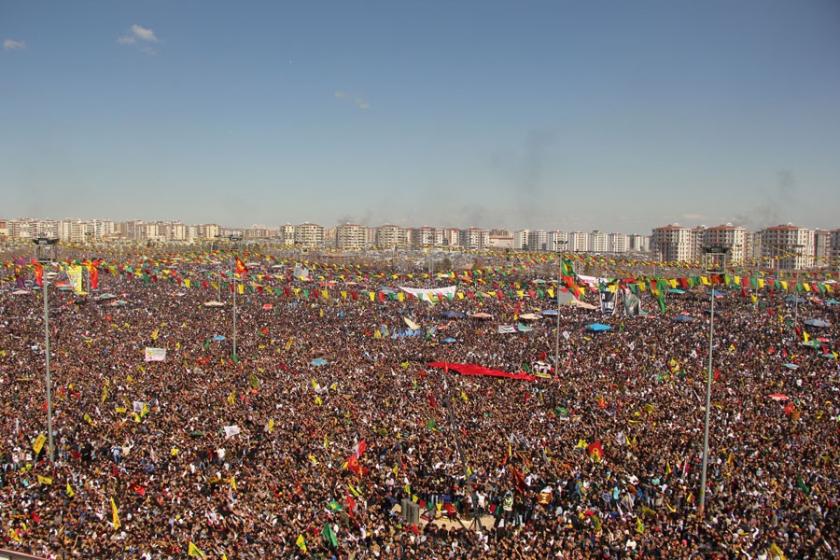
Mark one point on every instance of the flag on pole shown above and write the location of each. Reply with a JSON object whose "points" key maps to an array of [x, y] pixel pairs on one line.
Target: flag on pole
{"points": [[240, 267], [301, 543], [194, 552], [115, 515]]}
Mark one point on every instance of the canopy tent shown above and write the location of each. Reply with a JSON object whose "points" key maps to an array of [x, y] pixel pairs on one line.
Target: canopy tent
{"points": [[598, 327], [477, 370], [817, 323], [318, 362]]}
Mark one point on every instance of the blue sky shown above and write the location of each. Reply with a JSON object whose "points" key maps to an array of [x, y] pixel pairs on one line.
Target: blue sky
{"points": [[612, 115]]}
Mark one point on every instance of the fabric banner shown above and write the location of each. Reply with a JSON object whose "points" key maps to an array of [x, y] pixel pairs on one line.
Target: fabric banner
{"points": [[155, 354], [74, 275], [506, 329], [477, 370], [607, 302], [425, 294]]}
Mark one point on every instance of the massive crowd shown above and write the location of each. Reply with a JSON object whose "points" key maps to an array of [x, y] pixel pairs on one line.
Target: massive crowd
{"points": [[309, 442]]}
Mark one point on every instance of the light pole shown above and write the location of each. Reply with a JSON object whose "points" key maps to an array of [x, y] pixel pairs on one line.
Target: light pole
{"points": [[711, 252], [234, 239], [557, 322], [46, 247]]}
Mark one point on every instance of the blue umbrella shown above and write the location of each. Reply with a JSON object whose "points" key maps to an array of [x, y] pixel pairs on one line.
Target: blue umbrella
{"points": [[218, 337], [449, 340], [818, 323], [598, 327], [683, 318], [318, 362]]}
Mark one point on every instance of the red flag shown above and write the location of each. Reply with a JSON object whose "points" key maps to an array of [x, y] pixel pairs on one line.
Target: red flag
{"points": [[39, 273], [240, 268], [595, 450]]}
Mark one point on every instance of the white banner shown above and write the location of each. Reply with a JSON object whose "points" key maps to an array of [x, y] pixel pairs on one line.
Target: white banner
{"points": [[155, 355], [424, 294]]}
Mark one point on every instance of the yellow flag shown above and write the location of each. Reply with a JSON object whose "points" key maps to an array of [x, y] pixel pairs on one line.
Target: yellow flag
{"points": [[13, 534], [115, 515], [194, 552], [240, 288], [318, 400], [301, 543], [640, 526], [270, 426], [45, 480], [69, 491], [231, 398], [776, 553], [155, 334], [232, 483], [38, 444]]}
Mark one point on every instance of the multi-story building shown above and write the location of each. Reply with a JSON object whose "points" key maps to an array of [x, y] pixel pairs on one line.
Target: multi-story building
{"points": [[697, 234], [557, 240], [500, 239], [639, 243], [309, 235], [350, 237], [835, 246], [4, 228], [537, 240], [520, 239], [788, 247], [673, 243], [578, 241], [597, 242], [208, 231], [618, 242], [475, 238], [287, 235], [451, 237], [390, 236], [423, 236], [822, 247], [730, 236]]}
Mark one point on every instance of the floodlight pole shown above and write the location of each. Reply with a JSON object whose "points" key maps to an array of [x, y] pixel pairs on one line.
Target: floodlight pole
{"points": [[50, 447], [710, 252], [47, 244]]}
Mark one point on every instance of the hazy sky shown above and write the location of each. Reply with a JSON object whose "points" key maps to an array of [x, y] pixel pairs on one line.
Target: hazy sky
{"points": [[617, 115]]}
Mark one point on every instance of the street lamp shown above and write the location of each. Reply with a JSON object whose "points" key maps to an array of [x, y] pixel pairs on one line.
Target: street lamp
{"points": [[46, 247], [713, 253]]}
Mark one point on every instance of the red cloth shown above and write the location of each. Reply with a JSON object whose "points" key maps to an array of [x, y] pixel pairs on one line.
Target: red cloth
{"points": [[475, 369]]}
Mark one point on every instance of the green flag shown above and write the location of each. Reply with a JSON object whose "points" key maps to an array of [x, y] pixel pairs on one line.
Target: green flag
{"points": [[567, 268], [329, 536]]}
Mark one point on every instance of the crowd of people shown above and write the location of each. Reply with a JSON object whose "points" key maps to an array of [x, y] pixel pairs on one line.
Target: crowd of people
{"points": [[311, 440]]}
